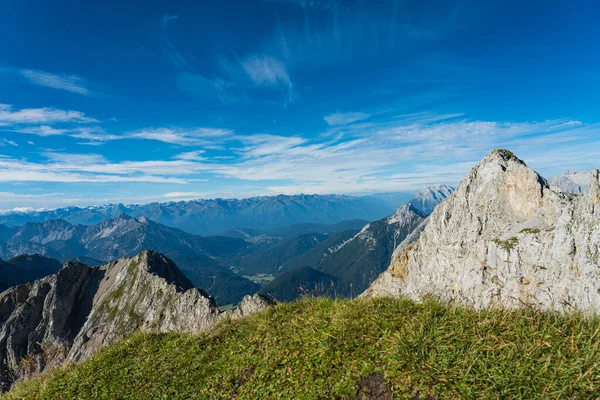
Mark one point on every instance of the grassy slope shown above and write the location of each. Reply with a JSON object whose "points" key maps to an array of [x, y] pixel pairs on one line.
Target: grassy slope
{"points": [[321, 348]]}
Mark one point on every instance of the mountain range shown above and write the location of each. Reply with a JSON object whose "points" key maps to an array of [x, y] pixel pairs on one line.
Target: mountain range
{"points": [[126, 236], [26, 268], [209, 217], [232, 265], [573, 182]]}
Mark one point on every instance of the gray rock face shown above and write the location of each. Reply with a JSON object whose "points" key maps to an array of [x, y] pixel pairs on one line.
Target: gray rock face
{"points": [[72, 314], [504, 238]]}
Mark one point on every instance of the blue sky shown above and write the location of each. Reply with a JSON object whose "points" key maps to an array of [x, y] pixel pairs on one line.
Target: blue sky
{"points": [[143, 101]]}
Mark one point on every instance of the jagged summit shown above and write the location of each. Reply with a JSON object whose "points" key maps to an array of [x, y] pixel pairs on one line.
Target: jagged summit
{"points": [[429, 197], [70, 315], [403, 213], [504, 238]]}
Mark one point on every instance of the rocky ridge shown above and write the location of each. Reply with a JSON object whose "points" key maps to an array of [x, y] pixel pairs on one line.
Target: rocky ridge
{"points": [[504, 238], [68, 316]]}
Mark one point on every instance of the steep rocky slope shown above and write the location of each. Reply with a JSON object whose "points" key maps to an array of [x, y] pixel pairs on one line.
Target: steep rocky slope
{"points": [[504, 238], [72, 314]]}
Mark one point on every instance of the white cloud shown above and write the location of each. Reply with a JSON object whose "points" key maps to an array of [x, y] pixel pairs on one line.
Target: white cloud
{"points": [[260, 145], [186, 137], [386, 153], [182, 196], [43, 115], [345, 118], [70, 83], [76, 170], [5, 142], [96, 135], [265, 70], [74, 159], [43, 130], [255, 78], [191, 155]]}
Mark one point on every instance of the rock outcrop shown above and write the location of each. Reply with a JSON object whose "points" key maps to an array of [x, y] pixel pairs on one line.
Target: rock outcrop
{"points": [[68, 316], [504, 238]]}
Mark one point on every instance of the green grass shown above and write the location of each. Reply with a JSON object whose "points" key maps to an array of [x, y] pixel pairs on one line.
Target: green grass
{"points": [[507, 244], [318, 348], [532, 231], [506, 153]]}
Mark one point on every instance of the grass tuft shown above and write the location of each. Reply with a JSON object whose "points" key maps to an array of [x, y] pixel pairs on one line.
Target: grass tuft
{"points": [[320, 348], [530, 230]]}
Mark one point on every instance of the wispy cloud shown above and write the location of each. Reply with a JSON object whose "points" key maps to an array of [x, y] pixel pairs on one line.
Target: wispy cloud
{"points": [[185, 137], [386, 153], [168, 18], [345, 118], [21, 121], [60, 81], [44, 115], [42, 130], [268, 71], [73, 168], [192, 155], [4, 142], [70, 83], [254, 78], [175, 57]]}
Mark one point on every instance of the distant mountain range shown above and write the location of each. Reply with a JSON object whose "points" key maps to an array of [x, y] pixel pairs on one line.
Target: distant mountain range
{"points": [[573, 182], [209, 217], [240, 260], [26, 268]]}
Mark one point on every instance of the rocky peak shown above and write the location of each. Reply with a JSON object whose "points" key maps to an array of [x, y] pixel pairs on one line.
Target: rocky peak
{"points": [[504, 238], [404, 213], [429, 197], [72, 314]]}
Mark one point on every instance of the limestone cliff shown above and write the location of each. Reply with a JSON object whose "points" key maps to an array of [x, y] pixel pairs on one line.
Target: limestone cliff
{"points": [[504, 238], [72, 314]]}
